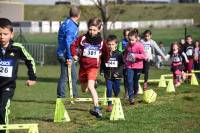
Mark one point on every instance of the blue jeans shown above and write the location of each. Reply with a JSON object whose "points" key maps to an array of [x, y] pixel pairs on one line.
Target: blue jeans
{"points": [[64, 78], [112, 84], [133, 76]]}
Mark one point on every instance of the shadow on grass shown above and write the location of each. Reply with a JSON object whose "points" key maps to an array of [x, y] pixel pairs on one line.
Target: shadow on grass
{"points": [[35, 101], [187, 98], [34, 118]]}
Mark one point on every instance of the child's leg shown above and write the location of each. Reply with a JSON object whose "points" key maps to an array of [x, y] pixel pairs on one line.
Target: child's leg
{"points": [[93, 92], [109, 90], [116, 87], [5, 95], [189, 67], [130, 84], [146, 73], [125, 82], [136, 78]]}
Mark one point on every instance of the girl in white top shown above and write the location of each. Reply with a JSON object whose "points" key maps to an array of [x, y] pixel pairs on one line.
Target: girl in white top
{"points": [[149, 47]]}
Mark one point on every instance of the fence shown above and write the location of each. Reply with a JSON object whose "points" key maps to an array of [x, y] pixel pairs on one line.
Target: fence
{"points": [[46, 54]]}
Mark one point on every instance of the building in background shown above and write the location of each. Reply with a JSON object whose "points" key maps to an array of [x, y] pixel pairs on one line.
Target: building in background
{"points": [[12, 10]]}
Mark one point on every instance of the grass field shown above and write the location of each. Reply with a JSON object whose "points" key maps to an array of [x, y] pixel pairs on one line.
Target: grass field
{"points": [[167, 36], [171, 113], [131, 12]]}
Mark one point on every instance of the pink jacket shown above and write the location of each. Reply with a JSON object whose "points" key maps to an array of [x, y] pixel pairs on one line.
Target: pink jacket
{"points": [[134, 56]]}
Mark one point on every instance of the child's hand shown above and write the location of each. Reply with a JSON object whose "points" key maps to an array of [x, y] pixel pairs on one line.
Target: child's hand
{"points": [[30, 82], [187, 61], [68, 62], [75, 58]]}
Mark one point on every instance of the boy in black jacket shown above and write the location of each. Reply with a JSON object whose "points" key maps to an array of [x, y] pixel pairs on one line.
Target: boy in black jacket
{"points": [[113, 69], [10, 53]]}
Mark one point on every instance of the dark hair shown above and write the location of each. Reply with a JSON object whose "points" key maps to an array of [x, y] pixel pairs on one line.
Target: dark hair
{"points": [[125, 30], [74, 11], [112, 38], [171, 47], [188, 36], [6, 23], [97, 22], [147, 32], [133, 32]]}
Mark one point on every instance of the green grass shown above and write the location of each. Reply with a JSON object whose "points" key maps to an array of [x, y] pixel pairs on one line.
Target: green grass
{"points": [[133, 12], [167, 36], [171, 113]]}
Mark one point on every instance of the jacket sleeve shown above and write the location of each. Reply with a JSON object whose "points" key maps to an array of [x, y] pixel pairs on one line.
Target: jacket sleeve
{"points": [[70, 36], [120, 47], [29, 61], [105, 52], [120, 65], [141, 54], [74, 46], [158, 50]]}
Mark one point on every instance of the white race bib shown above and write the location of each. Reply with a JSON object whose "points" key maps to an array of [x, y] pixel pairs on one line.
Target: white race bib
{"points": [[189, 52], [112, 64], [91, 51], [6, 68]]}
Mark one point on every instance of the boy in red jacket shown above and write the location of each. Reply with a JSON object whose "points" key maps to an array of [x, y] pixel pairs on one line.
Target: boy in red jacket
{"points": [[91, 48]]}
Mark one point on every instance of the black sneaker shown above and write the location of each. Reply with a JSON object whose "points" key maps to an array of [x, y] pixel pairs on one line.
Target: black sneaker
{"points": [[131, 102], [96, 113]]}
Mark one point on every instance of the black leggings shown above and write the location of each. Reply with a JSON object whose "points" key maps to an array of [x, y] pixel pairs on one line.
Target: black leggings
{"points": [[146, 66], [5, 95]]}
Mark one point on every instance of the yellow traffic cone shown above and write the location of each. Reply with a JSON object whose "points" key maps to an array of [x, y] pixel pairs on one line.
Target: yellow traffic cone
{"points": [[140, 90], [170, 86], [33, 129], [194, 80], [117, 111], [149, 96], [61, 114], [162, 82]]}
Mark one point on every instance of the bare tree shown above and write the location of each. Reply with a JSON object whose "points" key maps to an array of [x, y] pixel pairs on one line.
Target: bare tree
{"points": [[104, 8]]}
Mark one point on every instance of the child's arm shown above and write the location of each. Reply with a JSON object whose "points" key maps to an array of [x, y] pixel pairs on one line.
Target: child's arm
{"points": [[120, 47], [105, 52], [74, 47], [156, 47], [30, 63], [141, 54], [167, 57], [185, 56]]}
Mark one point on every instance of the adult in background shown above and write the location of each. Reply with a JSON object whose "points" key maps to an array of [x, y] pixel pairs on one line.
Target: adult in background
{"points": [[67, 33]]}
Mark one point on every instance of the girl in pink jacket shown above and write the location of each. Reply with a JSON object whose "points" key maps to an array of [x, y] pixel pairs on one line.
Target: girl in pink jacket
{"points": [[134, 56]]}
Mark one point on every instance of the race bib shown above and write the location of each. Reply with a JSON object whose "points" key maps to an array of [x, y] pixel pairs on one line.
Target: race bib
{"points": [[189, 52], [147, 47], [6, 68], [130, 57], [112, 63], [91, 51], [176, 59]]}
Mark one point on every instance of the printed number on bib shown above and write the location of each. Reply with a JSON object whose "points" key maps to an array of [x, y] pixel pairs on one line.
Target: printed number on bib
{"points": [[91, 51], [112, 64], [6, 71]]}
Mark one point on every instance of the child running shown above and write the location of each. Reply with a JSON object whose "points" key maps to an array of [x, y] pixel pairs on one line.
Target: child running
{"points": [[121, 47], [176, 55], [134, 56], [113, 70], [90, 48], [149, 46], [10, 54], [188, 48]]}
